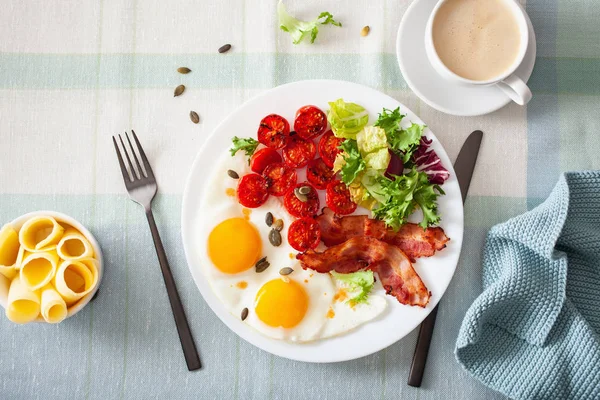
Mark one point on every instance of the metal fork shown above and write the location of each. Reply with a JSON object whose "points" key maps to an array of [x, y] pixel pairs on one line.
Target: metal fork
{"points": [[141, 186]]}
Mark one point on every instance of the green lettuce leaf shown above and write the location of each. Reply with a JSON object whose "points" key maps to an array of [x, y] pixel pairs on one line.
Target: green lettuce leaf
{"points": [[246, 144], [359, 283], [405, 141], [353, 162], [389, 120], [299, 29], [378, 160], [403, 195], [346, 119], [371, 138]]}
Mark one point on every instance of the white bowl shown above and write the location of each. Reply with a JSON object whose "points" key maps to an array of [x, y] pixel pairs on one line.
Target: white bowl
{"points": [[60, 217]]}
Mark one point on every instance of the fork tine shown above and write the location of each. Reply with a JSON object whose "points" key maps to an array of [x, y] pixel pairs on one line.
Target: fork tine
{"points": [[126, 176], [135, 158], [143, 155], [134, 173]]}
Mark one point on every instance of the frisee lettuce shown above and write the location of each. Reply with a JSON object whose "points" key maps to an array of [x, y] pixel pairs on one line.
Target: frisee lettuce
{"points": [[403, 142], [299, 29], [403, 195], [359, 283], [352, 164], [248, 145]]}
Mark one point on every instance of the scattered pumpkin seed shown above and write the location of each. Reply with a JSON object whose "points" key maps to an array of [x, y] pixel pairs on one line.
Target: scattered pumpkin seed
{"points": [[304, 189], [300, 196], [179, 90], [365, 31], [184, 70], [194, 117], [262, 265], [269, 219], [225, 48], [286, 271], [244, 313], [278, 224], [233, 174], [275, 237]]}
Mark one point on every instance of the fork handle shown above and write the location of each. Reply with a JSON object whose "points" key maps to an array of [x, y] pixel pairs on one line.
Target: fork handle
{"points": [[183, 329]]}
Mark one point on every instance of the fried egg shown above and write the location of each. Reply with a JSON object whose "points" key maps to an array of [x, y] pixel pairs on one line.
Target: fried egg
{"points": [[299, 307]]}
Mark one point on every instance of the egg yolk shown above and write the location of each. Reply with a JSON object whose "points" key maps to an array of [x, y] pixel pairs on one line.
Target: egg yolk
{"points": [[234, 245], [281, 304]]}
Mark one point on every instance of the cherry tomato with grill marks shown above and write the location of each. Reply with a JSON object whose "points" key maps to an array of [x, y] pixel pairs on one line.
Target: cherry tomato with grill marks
{"points": [[298, 152], [318, 173], [279, 178], [262, 158], [273, 131], [310, 122], [337, 197], [304, 234], [299, 208], [252, 190], [329, 148]]}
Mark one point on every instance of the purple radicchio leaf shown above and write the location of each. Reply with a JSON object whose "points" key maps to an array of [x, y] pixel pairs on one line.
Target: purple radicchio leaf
{"points": [[427, 160]]}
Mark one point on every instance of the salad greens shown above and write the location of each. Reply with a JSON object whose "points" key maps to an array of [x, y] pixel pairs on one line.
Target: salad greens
{"points": [[360, 281], [365, 157], [401, 141], [403, 195], [299, 29], [248, 145], [346, 119]]}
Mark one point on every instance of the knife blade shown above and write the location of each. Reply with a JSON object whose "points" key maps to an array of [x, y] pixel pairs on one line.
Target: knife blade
{"points": [[463, 167]]}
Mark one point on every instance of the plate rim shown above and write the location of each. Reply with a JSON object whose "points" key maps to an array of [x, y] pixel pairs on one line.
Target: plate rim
{"points": [[212, 299]]}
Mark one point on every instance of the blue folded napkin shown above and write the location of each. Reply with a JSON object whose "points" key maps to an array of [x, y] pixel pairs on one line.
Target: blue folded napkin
{"points": [[534, 332]]}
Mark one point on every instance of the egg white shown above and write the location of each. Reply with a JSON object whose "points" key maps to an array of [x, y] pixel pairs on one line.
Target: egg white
{"points": [[218, 206]]}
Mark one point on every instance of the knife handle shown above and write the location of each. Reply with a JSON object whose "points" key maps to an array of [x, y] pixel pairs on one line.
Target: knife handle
{"points": [[422, 349]]}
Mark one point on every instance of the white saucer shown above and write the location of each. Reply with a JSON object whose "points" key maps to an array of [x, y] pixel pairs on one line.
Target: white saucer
{"points": [[448, 97]]}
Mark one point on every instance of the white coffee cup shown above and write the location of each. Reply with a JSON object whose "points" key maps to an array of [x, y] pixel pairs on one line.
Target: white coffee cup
{"points": [[507, 81]]}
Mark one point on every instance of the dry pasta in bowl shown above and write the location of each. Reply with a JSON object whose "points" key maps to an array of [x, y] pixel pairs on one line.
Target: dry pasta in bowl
{"points": [[50, 267]]}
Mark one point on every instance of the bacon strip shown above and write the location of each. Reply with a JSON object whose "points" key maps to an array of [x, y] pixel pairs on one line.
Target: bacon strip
{"points": [[395, 270], [411, 238]]}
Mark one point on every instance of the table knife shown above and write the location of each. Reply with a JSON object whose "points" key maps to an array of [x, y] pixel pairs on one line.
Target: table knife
{"points": [[464, 166]]}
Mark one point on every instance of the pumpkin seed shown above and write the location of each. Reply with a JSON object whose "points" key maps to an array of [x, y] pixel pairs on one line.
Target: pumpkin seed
{"points": [[225, 48], [275, 237], [269, 219], [302, 197], [233, 174], [244, 313], [184, 70], [262, 265], [286, 271], [278, 224], [194, 117], [179, 90], [365, 31], [304, 190]]}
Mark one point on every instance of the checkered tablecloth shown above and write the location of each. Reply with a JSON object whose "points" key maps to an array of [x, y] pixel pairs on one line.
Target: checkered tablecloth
{"points": [[73, 73]]}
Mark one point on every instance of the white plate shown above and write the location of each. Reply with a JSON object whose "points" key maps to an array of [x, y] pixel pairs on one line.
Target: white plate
{"points": [[441, 94], [398, 320]]}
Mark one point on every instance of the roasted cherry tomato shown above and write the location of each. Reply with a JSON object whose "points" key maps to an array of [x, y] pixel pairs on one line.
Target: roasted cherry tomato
{"points": [[304, 234], [337, 197], [279, 178], [329, 148], [273, 131], [298, 152], [310, 122], [262, 158], [299, 208], [318, 173], [252, 190]]}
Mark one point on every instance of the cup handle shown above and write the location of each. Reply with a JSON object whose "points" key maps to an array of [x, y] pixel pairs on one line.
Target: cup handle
{"points": [[516, 89]]}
